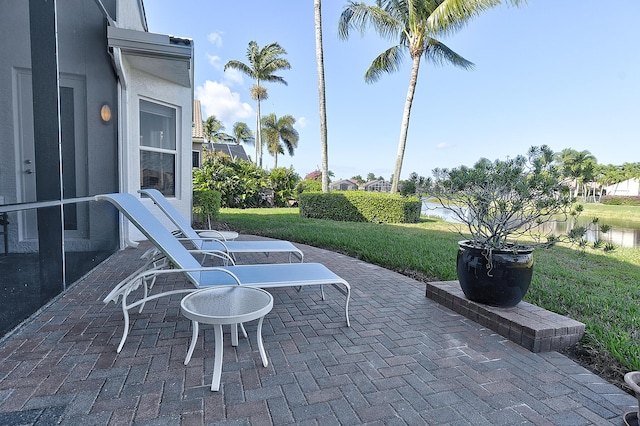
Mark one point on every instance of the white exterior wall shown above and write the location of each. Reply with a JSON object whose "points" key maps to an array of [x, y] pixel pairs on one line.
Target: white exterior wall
{"points": [[629, 188], [148, 87]]}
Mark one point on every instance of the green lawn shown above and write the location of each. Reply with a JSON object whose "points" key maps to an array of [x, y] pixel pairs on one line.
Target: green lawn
{"points": [[599, 289]]}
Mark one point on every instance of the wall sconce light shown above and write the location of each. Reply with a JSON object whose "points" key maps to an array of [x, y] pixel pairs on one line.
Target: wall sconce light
{"points": [[105, 113]]}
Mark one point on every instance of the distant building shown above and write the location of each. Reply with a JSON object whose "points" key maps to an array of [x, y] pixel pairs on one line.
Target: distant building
{"points": [[628, 188], [344, 185], [376, 186], [230, 149], [199, 145]]}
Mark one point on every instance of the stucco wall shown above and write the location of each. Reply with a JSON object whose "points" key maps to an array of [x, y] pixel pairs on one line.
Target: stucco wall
{"points": [[148, 87]]}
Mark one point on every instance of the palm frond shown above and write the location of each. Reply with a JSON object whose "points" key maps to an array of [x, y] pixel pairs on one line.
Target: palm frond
{"points": [[240, 66], [387, 62], [452, 15], [438, 53], [359, 16]]}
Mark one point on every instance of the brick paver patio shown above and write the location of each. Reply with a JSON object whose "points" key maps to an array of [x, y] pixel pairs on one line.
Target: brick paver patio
{"points": [[405, 360]]}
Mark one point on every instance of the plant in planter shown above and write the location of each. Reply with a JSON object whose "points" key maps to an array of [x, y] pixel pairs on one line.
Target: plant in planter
{"points": [[502, 205]]}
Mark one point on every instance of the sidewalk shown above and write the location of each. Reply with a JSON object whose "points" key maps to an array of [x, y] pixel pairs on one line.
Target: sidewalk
{"points": [[404, 360]]}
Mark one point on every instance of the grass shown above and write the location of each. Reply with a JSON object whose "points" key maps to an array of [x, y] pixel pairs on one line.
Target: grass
{"points": [[599, 289]]}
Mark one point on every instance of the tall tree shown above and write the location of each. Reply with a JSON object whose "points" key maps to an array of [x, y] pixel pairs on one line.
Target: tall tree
{"points": [[242, 133], [324, 148], [214, 130], [577, 166], [262, 64], [280, 129], [414, 26]]}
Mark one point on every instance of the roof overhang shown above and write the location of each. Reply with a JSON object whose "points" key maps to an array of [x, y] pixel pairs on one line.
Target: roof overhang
{"points": [[160, 55]]}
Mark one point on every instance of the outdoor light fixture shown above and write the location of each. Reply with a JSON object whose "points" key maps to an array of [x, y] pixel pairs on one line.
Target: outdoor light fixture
{"points": [[105, 113]]}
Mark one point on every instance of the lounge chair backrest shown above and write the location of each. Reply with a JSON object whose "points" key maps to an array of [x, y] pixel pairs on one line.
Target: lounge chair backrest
{"points": [[173, 214], [131, 207]]}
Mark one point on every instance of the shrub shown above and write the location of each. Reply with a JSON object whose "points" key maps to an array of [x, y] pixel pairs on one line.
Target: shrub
{"points": [[357, 206], [240, 183], [206, 205], [308, 185], [283, 182], [619, 200]]}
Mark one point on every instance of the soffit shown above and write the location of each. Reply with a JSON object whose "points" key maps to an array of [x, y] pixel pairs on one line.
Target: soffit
{"points": [[160, 55]]}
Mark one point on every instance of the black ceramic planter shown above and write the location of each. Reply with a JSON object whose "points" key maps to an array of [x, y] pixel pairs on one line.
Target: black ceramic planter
{"points": [[504, 284]]}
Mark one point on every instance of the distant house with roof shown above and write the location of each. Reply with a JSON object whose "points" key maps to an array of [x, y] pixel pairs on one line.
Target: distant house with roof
{"points": [[199, 144], [376, 186], [235, 151], [344, 185], [626, 188]]}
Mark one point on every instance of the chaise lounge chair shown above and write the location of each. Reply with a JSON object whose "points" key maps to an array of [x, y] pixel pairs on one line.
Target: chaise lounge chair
{"points": [[208, 240], [261, 275]]}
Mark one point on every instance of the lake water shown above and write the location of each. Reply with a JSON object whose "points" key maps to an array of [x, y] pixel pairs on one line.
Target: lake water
{"points": [[621, 234]]}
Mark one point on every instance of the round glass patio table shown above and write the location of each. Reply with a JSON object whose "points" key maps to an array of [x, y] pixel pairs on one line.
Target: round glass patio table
{"points": [[226, 305], [224, 235]]}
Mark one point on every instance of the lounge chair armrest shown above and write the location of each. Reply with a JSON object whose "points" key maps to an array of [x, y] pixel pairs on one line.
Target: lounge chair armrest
{"points": [[215, 253]]}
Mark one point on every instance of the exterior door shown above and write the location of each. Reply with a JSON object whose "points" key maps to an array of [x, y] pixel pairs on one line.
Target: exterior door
{"points": [[74, 156]]}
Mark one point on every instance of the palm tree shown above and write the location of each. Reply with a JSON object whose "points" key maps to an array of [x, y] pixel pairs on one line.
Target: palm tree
{"points": [[276, 129], [214, 130], [577, 166], [414, 26], [317, 7], [263, 63], [242, 133]]}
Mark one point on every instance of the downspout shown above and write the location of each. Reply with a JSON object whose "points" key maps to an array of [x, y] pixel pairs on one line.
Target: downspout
{"points": [[123, 110]]}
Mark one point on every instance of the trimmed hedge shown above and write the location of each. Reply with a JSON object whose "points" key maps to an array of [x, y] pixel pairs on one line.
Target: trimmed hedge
{"points": [[619, 200], [359, 206], [206, 205]]}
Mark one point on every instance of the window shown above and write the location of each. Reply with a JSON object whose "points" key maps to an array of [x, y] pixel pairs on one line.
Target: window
{"points": [[158, 147], [195, 159]]}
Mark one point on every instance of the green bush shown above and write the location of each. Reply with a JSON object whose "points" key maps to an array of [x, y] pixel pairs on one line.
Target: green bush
{"points": [[206, 205], [283, 182], [240, 183], [308, 185], [619, 200], [358, 206]]}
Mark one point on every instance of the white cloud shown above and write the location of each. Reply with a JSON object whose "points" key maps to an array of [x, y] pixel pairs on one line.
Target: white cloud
{"points": [[443, 145], [214, 61], [217, 99], [233, 77], [302, 122], [215, 39]]}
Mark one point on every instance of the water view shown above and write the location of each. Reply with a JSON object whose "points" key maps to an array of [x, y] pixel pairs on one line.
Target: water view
{"points": [[621, 234]]}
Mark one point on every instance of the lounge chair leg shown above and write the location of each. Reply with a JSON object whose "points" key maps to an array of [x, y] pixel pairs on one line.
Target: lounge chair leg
{"points": [[125, 332]]}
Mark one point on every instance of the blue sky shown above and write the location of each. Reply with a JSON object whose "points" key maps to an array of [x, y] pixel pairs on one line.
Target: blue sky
{"points": [[565, 73]]}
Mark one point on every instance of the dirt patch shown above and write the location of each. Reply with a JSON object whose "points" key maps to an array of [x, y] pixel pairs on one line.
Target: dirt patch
{"points": [[599, 363]]}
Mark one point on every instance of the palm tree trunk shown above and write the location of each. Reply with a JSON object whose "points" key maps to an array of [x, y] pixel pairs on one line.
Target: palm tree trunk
{"points": [[258, 135], [317, 7], [413, 80]]}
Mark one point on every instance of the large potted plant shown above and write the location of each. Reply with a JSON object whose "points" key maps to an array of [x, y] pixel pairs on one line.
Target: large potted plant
{"points": [[502, 205]]}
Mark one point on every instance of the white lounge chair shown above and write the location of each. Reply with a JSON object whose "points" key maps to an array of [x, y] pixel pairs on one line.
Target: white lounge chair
{"points": [[261, 276], [208, 240]]}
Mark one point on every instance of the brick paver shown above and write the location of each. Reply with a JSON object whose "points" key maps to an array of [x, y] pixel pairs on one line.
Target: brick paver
{"points": [[404, 360]]}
